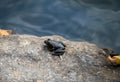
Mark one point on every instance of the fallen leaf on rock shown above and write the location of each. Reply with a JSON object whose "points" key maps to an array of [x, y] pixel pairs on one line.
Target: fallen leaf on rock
{"points": [[5, 32], [114, 59]]}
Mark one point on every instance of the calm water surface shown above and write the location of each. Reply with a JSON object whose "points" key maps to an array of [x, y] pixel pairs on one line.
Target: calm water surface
{"points": [[95, 21]]}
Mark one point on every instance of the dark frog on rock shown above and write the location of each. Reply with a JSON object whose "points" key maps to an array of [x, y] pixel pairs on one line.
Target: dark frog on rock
{"points": [[58, 48]]}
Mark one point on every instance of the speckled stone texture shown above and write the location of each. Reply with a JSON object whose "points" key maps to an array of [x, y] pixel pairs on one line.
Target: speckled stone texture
{"points": [[23, 58]]}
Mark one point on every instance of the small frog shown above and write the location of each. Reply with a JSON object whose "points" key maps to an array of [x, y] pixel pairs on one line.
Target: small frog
{"points": [[58, 48]]}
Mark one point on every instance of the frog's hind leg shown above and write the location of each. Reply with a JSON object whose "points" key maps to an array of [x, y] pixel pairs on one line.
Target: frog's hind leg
{"points": [[63, 44], [59, 52]]}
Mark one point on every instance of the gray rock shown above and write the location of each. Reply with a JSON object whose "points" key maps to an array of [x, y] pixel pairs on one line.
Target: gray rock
{"points": [[23, 58]]}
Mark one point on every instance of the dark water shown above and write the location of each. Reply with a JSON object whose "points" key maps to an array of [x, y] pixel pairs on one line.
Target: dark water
{"points": [[95, 21]]}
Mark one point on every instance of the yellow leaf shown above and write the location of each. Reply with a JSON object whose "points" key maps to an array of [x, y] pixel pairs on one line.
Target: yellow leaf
{"points": [[5, 32], [117, 59], [114, 59]]}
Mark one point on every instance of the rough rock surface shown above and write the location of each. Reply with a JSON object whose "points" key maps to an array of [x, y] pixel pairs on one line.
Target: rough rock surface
{"points": [[23, 58]]}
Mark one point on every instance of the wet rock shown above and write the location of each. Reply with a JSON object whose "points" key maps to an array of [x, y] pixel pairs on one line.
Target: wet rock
{"points": [[23, 58]]}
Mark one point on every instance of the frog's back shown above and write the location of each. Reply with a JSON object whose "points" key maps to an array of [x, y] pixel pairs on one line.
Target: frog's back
{"points": [[57, 44]]}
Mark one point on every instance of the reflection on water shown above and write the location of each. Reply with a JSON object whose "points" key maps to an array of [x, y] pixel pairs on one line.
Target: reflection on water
{"points": [[84, 20]]}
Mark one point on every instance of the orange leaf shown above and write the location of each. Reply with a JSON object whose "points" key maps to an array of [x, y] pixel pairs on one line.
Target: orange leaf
{"points": [[5, 32]]}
